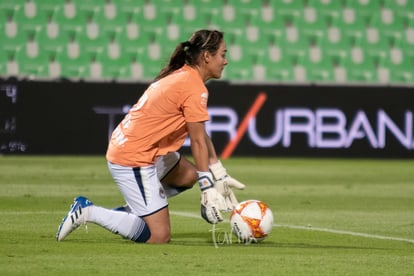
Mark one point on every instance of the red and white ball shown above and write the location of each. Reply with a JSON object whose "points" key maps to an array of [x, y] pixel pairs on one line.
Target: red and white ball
{"points": [[251, 221]]}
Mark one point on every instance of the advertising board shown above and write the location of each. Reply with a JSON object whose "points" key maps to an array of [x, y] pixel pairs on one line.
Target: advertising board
{"points": [[245, 120]]}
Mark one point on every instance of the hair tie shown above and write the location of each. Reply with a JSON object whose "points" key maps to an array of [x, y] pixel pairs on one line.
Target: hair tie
{"points": [[186, 45]]}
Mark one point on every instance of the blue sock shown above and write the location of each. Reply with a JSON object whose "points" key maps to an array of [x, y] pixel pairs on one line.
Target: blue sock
{"points": [[142, 234]]}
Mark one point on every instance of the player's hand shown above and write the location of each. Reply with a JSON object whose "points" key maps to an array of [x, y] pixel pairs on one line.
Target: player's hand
{"points": [[224, 184], [224, 187], [211, 200]]}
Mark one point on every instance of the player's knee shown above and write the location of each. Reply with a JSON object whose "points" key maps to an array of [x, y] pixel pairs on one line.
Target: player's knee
{"points": [[191, 178], [187, 174], [160, 235], [187, 180], [160, 238]]}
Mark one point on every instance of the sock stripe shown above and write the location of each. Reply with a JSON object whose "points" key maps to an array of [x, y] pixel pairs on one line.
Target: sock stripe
{"points": [[143, 234]]}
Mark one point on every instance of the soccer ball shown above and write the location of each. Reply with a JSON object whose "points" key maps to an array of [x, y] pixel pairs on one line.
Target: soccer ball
{"points": [[251, 221]]}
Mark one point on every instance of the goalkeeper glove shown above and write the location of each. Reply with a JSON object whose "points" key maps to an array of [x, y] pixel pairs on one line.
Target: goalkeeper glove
{"points": [[224, 183], [211, 200]]}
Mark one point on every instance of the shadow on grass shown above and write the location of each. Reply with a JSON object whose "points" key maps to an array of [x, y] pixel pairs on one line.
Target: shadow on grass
{"points": [[203, 239]]}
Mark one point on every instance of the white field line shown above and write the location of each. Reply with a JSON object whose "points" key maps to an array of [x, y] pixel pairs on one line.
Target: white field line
{"points": [[197, 216], [310, 228]]}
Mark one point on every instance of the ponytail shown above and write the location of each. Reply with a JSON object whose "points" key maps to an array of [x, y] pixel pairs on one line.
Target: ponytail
{"points": [[188, 52], [177, 60]]}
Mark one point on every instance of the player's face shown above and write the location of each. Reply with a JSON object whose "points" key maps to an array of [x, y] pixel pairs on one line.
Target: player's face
{"points": [[218, 61]]}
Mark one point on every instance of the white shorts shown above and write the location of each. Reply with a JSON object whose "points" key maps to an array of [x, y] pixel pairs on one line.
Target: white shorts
{"points": [[141, 186]]}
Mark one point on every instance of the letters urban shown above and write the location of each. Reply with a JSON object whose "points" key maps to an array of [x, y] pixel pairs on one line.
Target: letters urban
{"points": [[322, 127]]}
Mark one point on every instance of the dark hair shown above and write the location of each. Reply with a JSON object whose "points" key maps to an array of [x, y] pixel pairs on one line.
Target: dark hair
{"points": [[189, 51]]}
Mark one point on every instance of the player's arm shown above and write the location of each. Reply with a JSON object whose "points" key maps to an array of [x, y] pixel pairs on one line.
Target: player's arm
{"points": [[211, 200], [212, 156], [223, 182], [199, 146]]}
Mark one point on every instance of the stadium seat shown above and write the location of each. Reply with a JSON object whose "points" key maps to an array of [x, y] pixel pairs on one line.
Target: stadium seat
{"points": [[255, 57], [403, 72], [241, 70], [243, 10], [397, 5], [400, 61], [136, 70], [352, 24], [152, 62], [10, 25], [409, 31], [278, 60], [272, 29], [402, 9], [313, 28], [288, 9], [207, 8], [378, 50], [52, 40], [334, 29], [114, 68], [279, 67], [407, 48], [336, 54], [151, 12], [33, 67], [10, 48], [319, 66], [173, 31], [295, 41], [363, 9], [131, 32], [75, 57], [69, 18], [240, 62], [144, 51], [3, 63], [8, 63], [10, 9], [32, 57], [390, 30], [188, 29], [363, 72], [326, 9]]}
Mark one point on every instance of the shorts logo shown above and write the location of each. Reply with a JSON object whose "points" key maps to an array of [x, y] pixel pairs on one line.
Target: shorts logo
{"points": [[162, 193]]}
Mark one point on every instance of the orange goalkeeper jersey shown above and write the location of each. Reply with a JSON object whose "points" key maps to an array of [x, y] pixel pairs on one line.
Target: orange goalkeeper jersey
{"points": [[156, 124]]}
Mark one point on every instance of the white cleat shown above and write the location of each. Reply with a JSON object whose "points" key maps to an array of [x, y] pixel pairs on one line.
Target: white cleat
{"points": [[77, 216]]}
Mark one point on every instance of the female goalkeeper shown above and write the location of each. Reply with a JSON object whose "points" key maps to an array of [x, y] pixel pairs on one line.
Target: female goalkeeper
{"points": [[142, 153]]}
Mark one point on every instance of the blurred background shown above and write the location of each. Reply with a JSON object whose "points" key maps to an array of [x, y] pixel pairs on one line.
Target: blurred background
{"points": [[316, 41], [350, 56]]}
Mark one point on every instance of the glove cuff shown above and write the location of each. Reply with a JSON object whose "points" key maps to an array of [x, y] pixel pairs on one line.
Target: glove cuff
{"points": [[205, 180], [218, 170]]}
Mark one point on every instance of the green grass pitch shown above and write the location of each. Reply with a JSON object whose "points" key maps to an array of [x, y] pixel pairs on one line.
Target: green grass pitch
{"points": [[332, 217]]}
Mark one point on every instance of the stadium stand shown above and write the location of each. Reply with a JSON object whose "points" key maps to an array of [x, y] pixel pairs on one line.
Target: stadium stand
{"points": [[281, 41]]}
